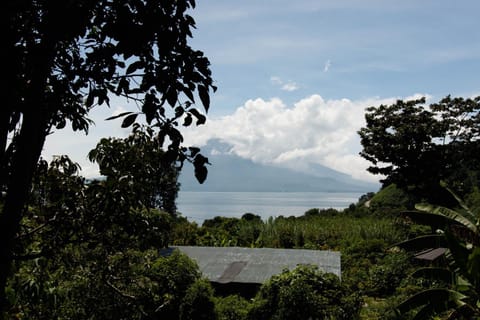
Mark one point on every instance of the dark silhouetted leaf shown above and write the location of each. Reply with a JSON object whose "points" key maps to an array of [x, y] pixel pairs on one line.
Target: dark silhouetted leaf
{"points": [[134, 67], [90, 98], [201, 119], [179, 112], [127, 122], [187, 121], [189, 94], [193, 151], [172, 96], [204, 97], [200, 169], [201, 173], [119, 115]]}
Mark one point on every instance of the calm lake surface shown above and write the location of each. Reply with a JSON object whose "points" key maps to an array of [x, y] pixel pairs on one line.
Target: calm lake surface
{"points": [[198, 206]]}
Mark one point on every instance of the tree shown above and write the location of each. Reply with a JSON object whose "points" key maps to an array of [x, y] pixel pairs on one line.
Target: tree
{"points": [[65, 57], [139, 160], [92, 242], [415, 145]]}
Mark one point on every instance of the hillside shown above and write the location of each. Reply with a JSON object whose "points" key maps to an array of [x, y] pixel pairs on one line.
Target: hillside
{"points": [[234, 174]]}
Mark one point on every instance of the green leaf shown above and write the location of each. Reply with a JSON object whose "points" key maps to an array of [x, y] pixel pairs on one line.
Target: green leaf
{"points": [[473, 264], [435, 273], [449, 213], [436, 221], [469, 214], [423, 242], [438, 297]]}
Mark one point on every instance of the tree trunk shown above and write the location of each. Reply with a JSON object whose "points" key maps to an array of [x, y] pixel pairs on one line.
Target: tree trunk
{"points": [[28, 150]]}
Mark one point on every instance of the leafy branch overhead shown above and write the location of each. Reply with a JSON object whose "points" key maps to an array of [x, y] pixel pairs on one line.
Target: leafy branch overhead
{"points": [[66, 57]]}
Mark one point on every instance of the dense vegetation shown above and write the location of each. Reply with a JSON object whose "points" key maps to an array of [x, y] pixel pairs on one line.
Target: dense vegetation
{"points": [[77, 249], [85, 243], [63, 58], [96, 243]]}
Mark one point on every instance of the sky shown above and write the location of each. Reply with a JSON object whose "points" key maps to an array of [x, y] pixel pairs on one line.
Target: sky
{"points": [[294, 77]]}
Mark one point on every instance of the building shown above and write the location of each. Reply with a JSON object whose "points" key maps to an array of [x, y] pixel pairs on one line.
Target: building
{"points": [[244, 270]]}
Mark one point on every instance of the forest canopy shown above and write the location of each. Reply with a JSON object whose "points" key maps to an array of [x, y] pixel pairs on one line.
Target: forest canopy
{"points": [[416, 145]]}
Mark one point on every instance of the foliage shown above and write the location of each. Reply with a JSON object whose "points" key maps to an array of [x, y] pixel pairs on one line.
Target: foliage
{"points": [[232, 307], [387, 274], [416, 146], [84, 244], [460, 294], [303, 293], [198, 302], [140, 162], [391, 199], [65, 57], [227, 231]]}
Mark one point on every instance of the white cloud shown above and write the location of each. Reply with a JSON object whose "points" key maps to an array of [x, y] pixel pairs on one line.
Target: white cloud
{"points": [[285, 86], [290, 86], [312, 131], [276, 80], [327, 66]]}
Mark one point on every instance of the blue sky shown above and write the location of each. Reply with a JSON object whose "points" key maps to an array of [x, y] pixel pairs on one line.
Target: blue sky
{"points": [[294, 77]]}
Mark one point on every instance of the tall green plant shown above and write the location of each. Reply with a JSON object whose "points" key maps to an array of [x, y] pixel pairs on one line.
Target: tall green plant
{"points": [[459, 229]]}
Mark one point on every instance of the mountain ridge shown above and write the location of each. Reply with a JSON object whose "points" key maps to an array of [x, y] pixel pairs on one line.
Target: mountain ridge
{"points": [[231, 173]]}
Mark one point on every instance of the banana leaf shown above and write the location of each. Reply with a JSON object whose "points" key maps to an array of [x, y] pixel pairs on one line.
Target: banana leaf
{"points": [[423, 242], [438, 299], [435, 220], [452, 216], [435, 273]]}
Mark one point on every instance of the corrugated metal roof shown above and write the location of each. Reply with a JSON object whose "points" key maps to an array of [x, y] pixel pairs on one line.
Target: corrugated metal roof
{"points": [[431, 254], [256, 265]]}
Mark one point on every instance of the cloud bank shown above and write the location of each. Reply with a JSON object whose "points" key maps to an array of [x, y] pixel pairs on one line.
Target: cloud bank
{"points": [[312, 131]]}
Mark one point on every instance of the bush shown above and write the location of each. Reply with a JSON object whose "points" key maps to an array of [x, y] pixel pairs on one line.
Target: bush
{"points": [[304, 293], [391, 200], [198, 302], [387, 274], [232, 308]]}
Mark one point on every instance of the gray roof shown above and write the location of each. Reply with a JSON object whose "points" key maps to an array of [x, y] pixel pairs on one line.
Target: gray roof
{"points": [[431, 254], [256, 265]]}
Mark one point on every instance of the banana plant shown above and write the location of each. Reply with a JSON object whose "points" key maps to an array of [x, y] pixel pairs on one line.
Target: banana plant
{"points": [[459, 231]]}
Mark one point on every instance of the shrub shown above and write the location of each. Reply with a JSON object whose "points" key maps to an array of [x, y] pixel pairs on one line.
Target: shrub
{"points": [[232, 308], [304, 293], [391, 200], [387, 274], [198, 302]]}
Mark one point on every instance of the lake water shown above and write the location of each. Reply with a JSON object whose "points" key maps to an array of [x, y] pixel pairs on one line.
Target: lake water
{"points": [[198, 206]]}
